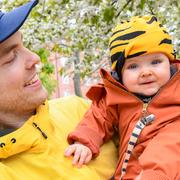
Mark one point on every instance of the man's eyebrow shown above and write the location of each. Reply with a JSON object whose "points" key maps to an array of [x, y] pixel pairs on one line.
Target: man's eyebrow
{"points": [[10, 48], [6, 50]]}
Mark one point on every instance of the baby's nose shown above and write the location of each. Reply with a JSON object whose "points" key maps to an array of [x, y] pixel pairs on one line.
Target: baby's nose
{"points": [[146, 73]]}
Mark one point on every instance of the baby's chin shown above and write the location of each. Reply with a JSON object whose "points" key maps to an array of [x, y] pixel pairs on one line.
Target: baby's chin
{"points": [[146, 94], [149, 93]]}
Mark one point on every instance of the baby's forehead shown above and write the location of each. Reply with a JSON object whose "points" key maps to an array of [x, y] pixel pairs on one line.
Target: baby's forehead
{"points": [[147, 57]]}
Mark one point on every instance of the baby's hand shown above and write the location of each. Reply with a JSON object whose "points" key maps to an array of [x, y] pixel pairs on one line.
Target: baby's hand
{"points": [[82, 154]]}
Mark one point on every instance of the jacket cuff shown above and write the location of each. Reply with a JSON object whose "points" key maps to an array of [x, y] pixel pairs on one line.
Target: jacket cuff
{"points": [[82, 136], [152, 175]]}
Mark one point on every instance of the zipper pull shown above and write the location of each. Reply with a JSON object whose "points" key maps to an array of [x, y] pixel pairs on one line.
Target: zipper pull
{"points": [[144, 110], [148, 119]]}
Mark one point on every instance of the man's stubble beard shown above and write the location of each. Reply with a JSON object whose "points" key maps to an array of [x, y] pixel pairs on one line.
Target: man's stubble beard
{"points": [[22, 103]]}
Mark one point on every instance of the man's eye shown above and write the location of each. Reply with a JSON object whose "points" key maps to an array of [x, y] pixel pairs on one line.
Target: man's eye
{"points": [[12, 58], [156, 61], [132, 66]]}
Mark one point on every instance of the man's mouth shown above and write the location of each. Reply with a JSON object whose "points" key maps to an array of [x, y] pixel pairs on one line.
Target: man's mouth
{"points": [[33, 80]]}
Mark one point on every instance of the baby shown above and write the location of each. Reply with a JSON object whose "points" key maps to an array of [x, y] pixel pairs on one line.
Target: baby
{"points": [[139, 98]]}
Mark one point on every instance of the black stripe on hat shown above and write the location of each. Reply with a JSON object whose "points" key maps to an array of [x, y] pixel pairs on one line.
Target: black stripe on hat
{"points": [[120, 64], [129, 36], [120, 31], [165, 41], [116, 56], [118, 45], [152, 20], [136, 54]]}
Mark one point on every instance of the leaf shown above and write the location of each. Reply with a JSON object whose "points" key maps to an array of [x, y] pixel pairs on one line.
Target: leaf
{"points": [[96, 2], [108, 14], [44, 54], [95, 19], [142, 3], [48, 68]]}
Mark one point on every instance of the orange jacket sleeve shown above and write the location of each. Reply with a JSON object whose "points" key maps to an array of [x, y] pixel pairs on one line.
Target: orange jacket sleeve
{"points": [[96, 126]]}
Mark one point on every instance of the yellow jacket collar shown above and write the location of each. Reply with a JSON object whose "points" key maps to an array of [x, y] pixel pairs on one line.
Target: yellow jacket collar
{"points": [[28, 137]]}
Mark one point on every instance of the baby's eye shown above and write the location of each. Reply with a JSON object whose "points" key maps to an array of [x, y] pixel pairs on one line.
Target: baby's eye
{"points": [[132, 66], [156, 61]]}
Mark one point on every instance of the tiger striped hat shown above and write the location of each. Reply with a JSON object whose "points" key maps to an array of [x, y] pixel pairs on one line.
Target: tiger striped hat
{"points": [[139, 36]]}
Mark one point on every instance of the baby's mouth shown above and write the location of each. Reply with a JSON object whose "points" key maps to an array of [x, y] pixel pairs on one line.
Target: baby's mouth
{"points": [[148, 82]]}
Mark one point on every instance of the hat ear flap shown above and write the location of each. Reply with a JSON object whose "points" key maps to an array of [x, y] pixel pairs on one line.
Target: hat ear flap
{"points": [[120, 64]]}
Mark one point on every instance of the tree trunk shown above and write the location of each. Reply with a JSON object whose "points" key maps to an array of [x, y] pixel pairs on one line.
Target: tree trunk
{"points": [[77, 82]]}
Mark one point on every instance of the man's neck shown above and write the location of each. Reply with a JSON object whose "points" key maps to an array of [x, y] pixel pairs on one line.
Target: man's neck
{"points": [[14, 121]]}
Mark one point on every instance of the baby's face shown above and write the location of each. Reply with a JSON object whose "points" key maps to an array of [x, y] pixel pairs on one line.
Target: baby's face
{"points": [[146, 74]]}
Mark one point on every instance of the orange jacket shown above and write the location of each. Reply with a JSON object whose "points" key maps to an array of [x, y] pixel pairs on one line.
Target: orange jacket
{"points": [[157, 153]]}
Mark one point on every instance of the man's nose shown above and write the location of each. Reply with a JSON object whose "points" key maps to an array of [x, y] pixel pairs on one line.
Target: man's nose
{"points": [[32, 59]]}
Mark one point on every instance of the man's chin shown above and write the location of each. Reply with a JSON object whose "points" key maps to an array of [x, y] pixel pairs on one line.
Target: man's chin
{"points": [[39, 98], [43, 96]]}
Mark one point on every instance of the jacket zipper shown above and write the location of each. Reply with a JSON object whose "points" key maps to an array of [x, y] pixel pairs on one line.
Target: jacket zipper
{"points": [[144, 110], [145, 105]]}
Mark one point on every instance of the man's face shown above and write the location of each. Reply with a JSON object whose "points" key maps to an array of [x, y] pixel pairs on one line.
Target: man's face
{"points": [[20, 87], [146, 74]]}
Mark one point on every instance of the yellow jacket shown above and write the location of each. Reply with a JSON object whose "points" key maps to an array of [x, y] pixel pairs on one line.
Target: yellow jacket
{"points": [[36, 150]]}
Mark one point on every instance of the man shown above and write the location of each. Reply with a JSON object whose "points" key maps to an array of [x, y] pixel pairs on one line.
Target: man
{"points": [[33, 130]]}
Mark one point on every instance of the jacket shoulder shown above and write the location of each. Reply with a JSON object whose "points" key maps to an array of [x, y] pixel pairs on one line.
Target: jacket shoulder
{"points": [[68, 104], [96, 92]]}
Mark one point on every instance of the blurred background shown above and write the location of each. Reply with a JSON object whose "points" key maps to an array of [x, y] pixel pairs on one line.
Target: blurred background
{"points": [[72, 36]]}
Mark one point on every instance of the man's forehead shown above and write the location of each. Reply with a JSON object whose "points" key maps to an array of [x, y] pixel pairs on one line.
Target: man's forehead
{"points": [[16, 36]]}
